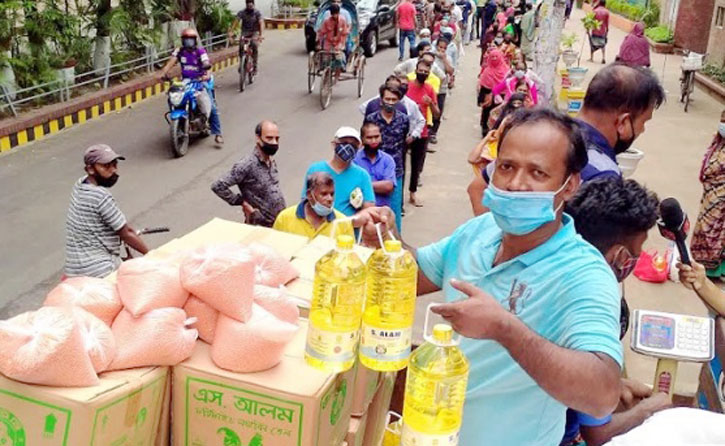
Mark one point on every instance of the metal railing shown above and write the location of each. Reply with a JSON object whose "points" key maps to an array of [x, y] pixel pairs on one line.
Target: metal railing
{"points": [[62, 89]]}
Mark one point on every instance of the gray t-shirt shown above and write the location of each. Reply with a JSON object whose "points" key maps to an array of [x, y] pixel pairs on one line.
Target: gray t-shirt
{"points": [[92, 243]]}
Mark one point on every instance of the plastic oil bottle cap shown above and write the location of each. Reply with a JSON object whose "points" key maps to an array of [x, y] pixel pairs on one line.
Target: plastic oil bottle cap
{"points": [[345, 241], [393, 245], [442, 333]]}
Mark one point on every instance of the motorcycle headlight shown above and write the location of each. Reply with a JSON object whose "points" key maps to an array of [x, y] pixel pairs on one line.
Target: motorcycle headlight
{"points": [[176, 97]]}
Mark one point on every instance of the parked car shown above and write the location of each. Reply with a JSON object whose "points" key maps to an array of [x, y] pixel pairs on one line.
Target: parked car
{"points": [[376, 19]]}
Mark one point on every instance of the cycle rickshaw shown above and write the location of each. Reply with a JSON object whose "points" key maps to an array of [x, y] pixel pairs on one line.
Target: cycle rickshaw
{"points": [[324, 64]]}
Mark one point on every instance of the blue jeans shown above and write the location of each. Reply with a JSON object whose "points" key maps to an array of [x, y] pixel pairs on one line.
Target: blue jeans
{"points": [[396, 201], [215, 123], [410, 35]]}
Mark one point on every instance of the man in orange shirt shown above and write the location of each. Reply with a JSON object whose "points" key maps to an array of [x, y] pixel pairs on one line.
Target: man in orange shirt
{"points": [[332, 36]]}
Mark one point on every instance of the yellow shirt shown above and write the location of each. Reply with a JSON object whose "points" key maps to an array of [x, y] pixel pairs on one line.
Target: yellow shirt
{"points": [[293, 220], [435, 82]]}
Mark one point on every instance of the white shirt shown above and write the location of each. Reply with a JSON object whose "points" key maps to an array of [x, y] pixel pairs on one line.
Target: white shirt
{"points": [[416, 120]]}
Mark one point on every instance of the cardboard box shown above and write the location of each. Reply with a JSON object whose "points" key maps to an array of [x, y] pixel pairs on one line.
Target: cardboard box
{"points": [[216, 230], [301, 291], [356, 431], [125, 409], [305, 259], [283, 242], [378, 410], [291, 404], [366, 384]]}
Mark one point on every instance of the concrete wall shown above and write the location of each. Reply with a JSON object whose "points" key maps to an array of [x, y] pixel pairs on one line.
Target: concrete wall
{"points": [[716, 46], [693, 24]]}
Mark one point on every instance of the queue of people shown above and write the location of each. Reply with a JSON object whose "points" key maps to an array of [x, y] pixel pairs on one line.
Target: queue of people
{"points": [[556, 228]]}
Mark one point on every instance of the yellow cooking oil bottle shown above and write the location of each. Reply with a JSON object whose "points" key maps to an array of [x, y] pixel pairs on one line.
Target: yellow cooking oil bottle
{"points": [[435, 391], [336, 309], [387, 324]]}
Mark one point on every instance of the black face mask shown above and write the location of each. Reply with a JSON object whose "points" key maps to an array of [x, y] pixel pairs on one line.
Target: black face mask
{"points": [[389, 108], [403, 89], [269, 149], [622, 145], [106, 182], [188, 42], [421, 77]]}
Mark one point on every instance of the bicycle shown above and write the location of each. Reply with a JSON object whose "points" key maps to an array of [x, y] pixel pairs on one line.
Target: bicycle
{"points": [[691, 63], [125, 248], [247, 70]]}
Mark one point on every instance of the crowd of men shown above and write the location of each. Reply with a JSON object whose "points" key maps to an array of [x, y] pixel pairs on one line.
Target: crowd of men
{"points": [[555, 225]]}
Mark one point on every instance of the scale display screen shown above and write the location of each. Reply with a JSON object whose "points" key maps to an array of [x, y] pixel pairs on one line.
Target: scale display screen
{"points": [[658, 332]]}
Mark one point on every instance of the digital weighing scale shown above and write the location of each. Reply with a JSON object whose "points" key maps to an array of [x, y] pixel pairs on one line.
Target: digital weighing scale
{"points": [[672, 338]]}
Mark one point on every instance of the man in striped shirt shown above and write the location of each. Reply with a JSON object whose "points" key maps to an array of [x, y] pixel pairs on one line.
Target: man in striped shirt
{"points": [[95, 225]]}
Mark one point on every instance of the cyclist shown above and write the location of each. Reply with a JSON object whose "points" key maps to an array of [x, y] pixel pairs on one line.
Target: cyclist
{"points": [[195, 65], [252, 23]]}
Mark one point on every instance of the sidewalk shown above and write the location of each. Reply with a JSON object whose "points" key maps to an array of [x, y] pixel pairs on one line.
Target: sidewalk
{"points": [[674, 144]]}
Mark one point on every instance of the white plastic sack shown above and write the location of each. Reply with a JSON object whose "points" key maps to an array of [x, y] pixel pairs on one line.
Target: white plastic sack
{"points": [[97, 296], [276, 301], [159, 337], [253, 346], [206, 318], [676, 427], [97, 339], [145, 284], [45, 347], [222, 275], [272, 269]]}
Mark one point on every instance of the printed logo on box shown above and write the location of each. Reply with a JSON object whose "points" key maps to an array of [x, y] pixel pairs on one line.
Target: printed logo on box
{"points": [[239, 417], [11, 429], [32, 421]]}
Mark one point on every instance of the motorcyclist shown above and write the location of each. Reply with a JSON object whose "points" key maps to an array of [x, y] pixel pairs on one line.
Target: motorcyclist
{"points": [[195, 65], [252, 24]]}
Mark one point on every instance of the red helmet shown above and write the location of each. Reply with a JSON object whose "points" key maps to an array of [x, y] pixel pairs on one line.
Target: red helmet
{"points": [[189, 32]]}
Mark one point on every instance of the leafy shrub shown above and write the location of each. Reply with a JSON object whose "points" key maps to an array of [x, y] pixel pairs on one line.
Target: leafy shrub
{"points": [[214, 16], [649, 15], [660, 34], [714, 72]]}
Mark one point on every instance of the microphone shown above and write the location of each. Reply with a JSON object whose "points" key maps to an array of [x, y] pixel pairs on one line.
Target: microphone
{"points": [[673, 225]]}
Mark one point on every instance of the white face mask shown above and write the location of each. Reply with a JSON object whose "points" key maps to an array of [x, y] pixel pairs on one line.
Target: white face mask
{"points": [[721, 129]]}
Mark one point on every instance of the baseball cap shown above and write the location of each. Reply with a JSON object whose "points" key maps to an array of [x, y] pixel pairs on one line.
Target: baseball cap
{"points": [[100, 154], [347, 132]]}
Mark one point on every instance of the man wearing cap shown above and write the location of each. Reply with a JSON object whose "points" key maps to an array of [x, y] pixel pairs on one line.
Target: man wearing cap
{"points": [[353, 187], [95, 226]]}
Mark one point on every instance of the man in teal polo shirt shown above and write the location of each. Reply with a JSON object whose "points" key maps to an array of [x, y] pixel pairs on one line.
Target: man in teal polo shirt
{"points": [[353, 186], [537, 305]]}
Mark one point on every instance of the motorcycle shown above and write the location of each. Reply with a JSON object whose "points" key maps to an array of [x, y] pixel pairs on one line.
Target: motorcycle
{"points": [[186, 116]]}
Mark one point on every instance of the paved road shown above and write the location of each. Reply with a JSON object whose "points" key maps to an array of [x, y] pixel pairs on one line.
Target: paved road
{"points": [[155, 189]]}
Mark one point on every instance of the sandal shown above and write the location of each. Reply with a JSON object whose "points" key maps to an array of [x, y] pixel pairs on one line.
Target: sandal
{"points": [[219, 139]]}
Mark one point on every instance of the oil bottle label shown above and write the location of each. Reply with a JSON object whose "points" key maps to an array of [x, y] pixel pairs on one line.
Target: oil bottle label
{"points": [[331, 346], [413, 438], [384, 344]]}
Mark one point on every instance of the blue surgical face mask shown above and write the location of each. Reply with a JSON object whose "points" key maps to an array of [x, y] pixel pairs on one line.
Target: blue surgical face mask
{"points": [[520, 213], [320, 209], [721, 129], [346, 152]]}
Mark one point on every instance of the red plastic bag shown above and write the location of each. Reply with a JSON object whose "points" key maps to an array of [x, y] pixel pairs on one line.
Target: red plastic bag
{"points": [[652, 267]]}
